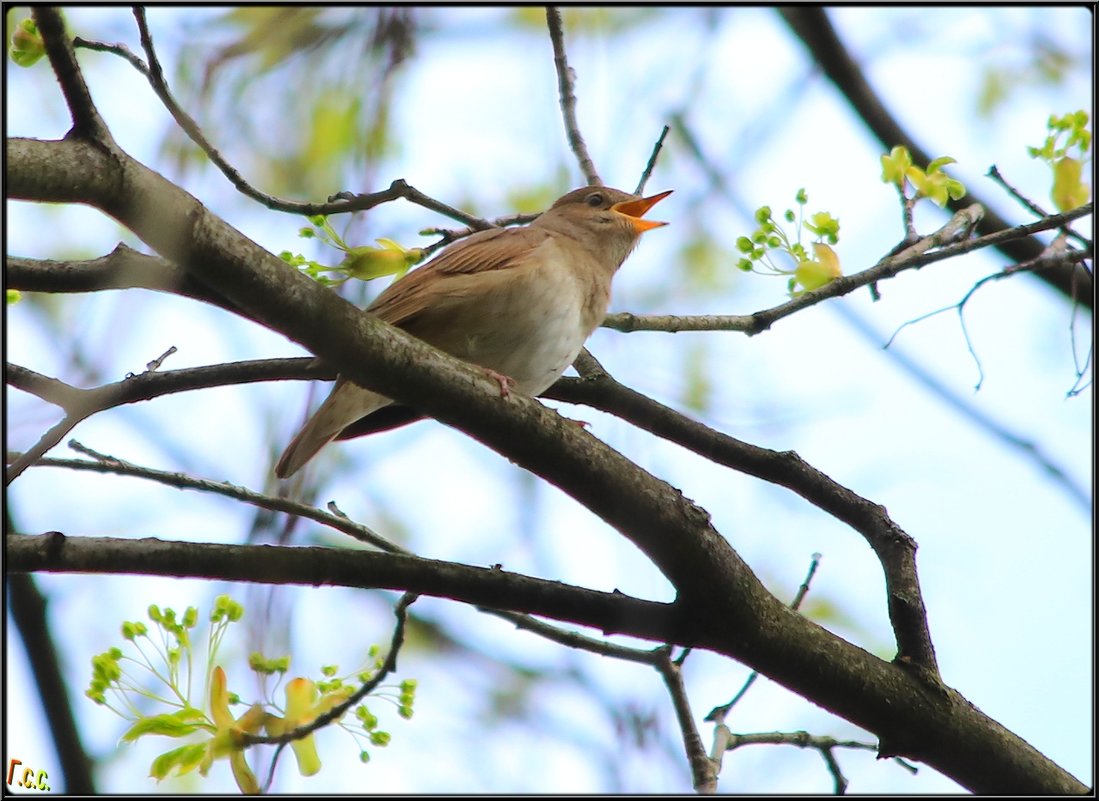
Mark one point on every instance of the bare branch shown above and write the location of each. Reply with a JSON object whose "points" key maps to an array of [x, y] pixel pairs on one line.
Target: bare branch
{"points": [[103, 463], [995, 174], [565, 80], [341, 567], [1019, 443], [894, 548], [648, 171], [703, 769], [80, 404], [87, 123]]}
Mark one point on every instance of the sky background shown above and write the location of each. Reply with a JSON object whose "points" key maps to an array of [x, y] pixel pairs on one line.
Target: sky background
{"points": [[1005, 553]]}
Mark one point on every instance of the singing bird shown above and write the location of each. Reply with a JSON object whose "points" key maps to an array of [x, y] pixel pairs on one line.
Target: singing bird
{"points": [[518, 302]]}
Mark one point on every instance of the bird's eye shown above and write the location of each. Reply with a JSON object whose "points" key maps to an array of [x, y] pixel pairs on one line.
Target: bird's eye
{"points": [[595, 199]]}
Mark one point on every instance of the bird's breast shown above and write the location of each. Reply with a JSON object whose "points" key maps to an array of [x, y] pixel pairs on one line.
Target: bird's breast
{"points": [[527, 322]]}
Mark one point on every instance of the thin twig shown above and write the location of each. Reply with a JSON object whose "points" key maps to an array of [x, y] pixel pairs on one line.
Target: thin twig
{"points": [[938, 246], [995, 174], [821, 743], [703, 769], [1054, 254], [341, 203], [565, 80], [718, 714], [115, 49], [104, 463], [970, 411], [338, 711], [648, 171]]}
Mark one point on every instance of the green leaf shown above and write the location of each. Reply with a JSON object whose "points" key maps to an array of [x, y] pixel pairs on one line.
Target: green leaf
{"points": [[1069, 191], [182, 760], [939, 163], [177, 724], [895, 166], [26, 46]]}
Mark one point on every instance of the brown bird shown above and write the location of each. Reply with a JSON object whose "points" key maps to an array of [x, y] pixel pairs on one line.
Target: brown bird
{"points": [[518, 302]]}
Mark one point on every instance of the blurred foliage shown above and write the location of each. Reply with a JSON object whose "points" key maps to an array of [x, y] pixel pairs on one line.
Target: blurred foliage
{"points": [[1045, 63], [706, 265], [1066, 150], [602, 21], [698, 385], [312, 64]]}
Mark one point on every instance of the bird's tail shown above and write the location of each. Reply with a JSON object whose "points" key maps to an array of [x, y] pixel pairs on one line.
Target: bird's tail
{"points": [[347, 403]]}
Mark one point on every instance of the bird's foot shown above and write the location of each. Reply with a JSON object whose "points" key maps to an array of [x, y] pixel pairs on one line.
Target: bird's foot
{"points": [[506, 382]]}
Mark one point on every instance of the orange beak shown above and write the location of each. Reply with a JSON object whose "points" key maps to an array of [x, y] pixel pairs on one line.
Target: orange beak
{"points": [[635, 210]]}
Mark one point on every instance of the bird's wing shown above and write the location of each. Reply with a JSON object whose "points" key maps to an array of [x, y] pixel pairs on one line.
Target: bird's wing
{"points": [[485, 251]]}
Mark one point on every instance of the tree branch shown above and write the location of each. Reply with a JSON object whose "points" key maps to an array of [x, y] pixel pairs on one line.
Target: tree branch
{"points": [[941, 729], [85, 116], [894, 548], [721, 605], [934, 247], [812, 26], [565, 79], [28, 608], [339, 567]]}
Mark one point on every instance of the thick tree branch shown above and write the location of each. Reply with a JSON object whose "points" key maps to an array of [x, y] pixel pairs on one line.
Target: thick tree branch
{"points": [[721, 604], [59, 50], [378, 356], [940, 728], [122, 268], [610, 612], [894, 548], [675, 534]]}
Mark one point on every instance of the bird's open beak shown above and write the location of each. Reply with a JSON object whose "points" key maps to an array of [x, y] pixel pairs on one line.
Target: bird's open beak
{"points": [[635, 210]]}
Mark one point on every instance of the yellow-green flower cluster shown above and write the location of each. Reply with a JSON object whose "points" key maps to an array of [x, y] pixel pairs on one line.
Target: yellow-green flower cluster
{"points": [[808, 272]]}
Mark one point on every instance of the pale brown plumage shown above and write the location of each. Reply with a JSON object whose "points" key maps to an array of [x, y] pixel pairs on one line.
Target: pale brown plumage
{"points": [[519, 302]]}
